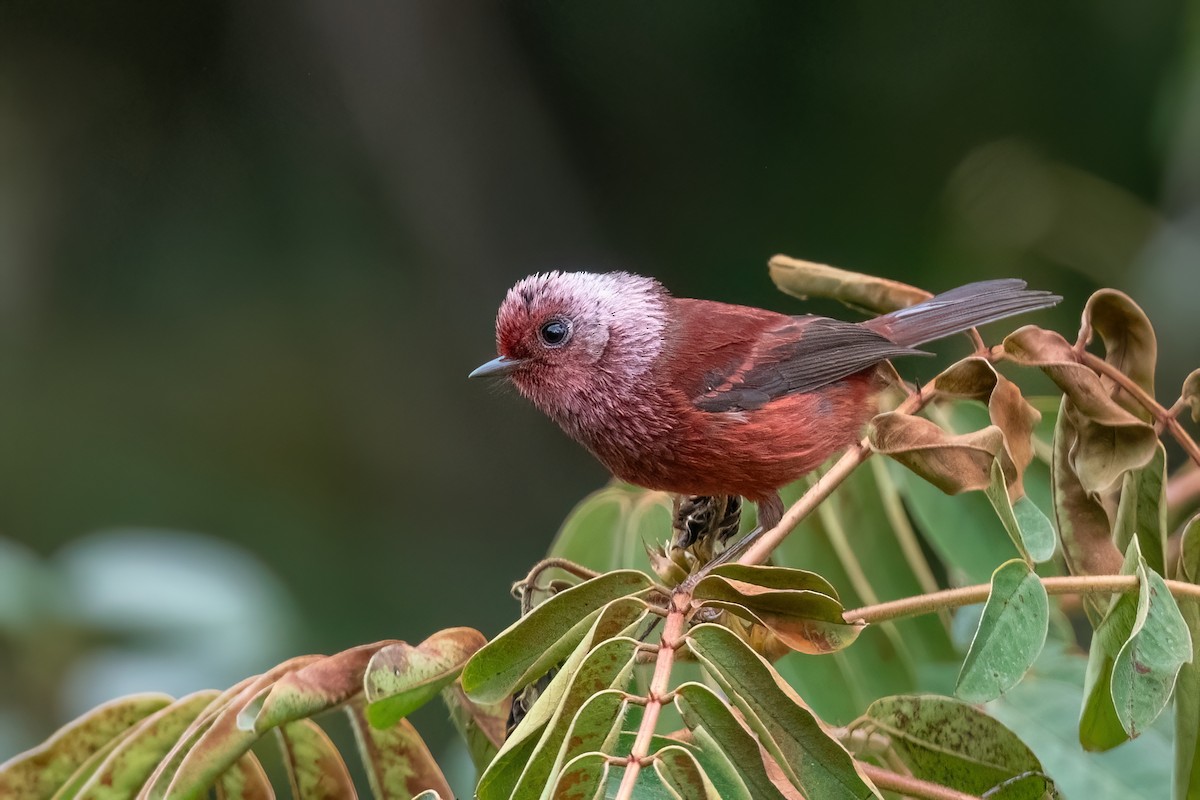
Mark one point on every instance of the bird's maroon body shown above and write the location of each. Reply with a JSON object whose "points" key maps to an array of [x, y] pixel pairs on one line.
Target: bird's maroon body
{"points": [[703, 398]]}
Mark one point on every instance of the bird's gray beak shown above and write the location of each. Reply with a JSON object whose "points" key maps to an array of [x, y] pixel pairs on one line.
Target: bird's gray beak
{"points": [[496, 367]]}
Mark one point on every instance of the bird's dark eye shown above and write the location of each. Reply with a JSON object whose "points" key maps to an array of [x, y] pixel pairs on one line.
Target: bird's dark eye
{"points": [[555, 332]]}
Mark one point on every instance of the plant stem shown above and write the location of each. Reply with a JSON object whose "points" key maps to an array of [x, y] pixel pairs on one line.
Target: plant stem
{"points": [[909, 786], [968, 595], [660, 685], [1162, 416]]}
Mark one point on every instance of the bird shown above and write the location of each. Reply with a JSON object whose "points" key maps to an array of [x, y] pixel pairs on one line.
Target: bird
{"points": [[704, 398]]}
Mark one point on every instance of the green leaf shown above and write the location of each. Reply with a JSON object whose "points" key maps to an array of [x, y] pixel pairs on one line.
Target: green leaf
{"points": [[609, 529], [1143, 511], [702, 709], [131, 763], [607, 666], [583, 778], [1011, 633], [595, 726], [503, 773], [806, 621], [774, 577], [1099, 726], [541, 639], [1147, 663], [481, 726], [245, 780], [1043, 709], [39, 772], [954, 744], [397, 760], [325, 683], [313, 763], [813, 762], [1187, 687], [679, 769], [1025, 523], [401, 678]]}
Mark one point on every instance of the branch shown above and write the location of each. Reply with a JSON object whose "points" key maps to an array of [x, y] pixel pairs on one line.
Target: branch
{"points": [[969, 595], [660, 685], [762, 548], [909, 786], [1162, 416]]}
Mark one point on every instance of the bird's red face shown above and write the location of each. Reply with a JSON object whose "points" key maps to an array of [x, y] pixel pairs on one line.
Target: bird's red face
{"points": [[567, 338]]}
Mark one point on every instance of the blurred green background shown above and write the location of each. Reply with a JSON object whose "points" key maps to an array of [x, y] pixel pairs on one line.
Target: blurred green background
{"points": [[249, 251]]}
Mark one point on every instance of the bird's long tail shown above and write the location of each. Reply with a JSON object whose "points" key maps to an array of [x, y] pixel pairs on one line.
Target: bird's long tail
{"points": [[960, 309]]}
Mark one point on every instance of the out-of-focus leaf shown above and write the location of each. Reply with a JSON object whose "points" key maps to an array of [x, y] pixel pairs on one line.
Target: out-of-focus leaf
{"points": [[1083, 524], [542, 638], [806, 621], [401, 678], [131, 763], [314, 765], [1191, 394], [679, 769], [610, 528], [1099, 726], [503, 773], [806, 279], [700, 707], [1143, 511], [1187, 687], [1043, 709], [813, 762], [1129, 341], [953, 463], [481, 726], [1011, 633], [1147, 663], [88, 768], [962, 530], [1109, 439], [397, 760], [39, 772], [313, 688], [955, 744], [583, 778], [245, 780], [608, 665]]}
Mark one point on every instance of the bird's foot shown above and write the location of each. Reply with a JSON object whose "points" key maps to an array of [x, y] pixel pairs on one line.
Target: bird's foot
{"points": [[701, 520]]}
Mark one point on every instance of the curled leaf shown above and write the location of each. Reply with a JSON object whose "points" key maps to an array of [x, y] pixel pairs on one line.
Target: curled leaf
{"points": [[1110, 440], [806, 279], [1191, 394], [953, 463], [401, 678], [1129, 342]]}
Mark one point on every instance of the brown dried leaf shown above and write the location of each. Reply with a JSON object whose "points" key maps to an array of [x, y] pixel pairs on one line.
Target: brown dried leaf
{"points": [[1109, 440], [806, 279], [1083, 524], [976, 378], [1191, 394], [953, 463], [1129, 342]]}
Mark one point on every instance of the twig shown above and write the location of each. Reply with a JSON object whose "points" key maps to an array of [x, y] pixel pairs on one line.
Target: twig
{"points": [[969, 595], [660, 685], [1162, 416], [909, 786]]}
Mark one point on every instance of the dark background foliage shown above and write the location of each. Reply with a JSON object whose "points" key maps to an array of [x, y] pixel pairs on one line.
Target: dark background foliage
{"points": [[249, 251]]}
